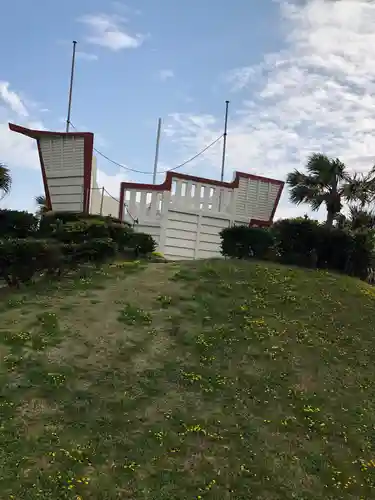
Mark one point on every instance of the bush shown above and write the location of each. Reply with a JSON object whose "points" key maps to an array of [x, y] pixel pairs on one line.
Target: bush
{"points": [[16, 224], [121, 234], [306, 243], [362, 258], [97, 250], [334, 248], [85, 230], [141, 243], [295, 237], [79, 232], [21, 259], [244, 242], [50, 219]]}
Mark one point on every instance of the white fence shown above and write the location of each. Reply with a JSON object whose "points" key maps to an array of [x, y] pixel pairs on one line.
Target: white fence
{"points": [[186, 214]]}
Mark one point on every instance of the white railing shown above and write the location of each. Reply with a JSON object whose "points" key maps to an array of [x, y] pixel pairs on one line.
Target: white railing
{"points": [[145, 204]]}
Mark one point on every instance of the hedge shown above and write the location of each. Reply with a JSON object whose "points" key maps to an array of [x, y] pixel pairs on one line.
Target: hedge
{"points": [[22, 259], [17, 224], [62, 240], [49, 219], [141, 243], [244, 242], [306, 243], [126, 239]]}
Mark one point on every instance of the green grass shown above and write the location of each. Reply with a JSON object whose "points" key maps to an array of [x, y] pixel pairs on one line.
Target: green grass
{"points": [[205, 380]]}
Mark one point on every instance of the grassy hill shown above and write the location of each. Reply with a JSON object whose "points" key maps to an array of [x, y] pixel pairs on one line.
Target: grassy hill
{"points": [[204, 380]]}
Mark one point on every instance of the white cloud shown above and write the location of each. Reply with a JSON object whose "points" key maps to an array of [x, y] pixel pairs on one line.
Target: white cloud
{"points": [[87, 56], [16, 150], [111, 183], [12, 99], [109, 31], [317, 95], [165, 74]]}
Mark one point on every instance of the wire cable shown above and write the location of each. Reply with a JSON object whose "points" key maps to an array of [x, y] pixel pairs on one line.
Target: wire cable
{"points": [[163, 172], [194, 157], [135, 221]]}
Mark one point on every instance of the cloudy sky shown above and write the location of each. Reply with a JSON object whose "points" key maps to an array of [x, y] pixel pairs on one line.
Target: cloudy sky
{"points": [[300, 75]]}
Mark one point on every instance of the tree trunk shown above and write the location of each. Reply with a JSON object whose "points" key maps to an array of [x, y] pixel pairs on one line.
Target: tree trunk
{"points": [[330, 218]]}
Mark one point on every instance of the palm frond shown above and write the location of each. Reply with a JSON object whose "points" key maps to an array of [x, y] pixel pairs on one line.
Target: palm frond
{"points": [[303, 194], [41, 200], [360, 218], [5, 179], [320, 167]]}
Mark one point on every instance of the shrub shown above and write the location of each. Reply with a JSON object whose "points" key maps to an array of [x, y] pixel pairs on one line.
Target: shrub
{"points": [[296, 237], [79, 232], [16, 224], [97, 250], [304, 242], [244, 242], [334, 247], [121, 234], [141, 243], [51, 218], [21, 259], [362, 258], [307, 243], [85, 229]]}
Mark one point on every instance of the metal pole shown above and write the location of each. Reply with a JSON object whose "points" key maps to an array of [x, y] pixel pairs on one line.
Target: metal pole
{"points": [[157, 152], [101, 202], [71, 86], [225, 141]]}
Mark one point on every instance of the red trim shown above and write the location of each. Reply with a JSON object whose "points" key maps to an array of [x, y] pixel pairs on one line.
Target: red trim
{"points": [[167, 186], [259, 223], [35, 134], [276, 202], [87, 170], [44, 176], [88, 138], [121, 203]]}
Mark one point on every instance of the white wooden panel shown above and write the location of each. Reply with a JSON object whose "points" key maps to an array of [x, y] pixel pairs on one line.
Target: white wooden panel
{"points": [[181, 216], [67, 207], [215, 222], [185, 235], [62, 181], [180, 243], [208, 254], [65, 173], [67, 198], [72, 189], [63, 159], [213, 246], [205, 229], [182, 226], [209, 238], [176, 253]]}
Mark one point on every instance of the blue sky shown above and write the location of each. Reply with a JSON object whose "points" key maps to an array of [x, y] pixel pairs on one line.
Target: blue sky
{"points": [[300, 77]]}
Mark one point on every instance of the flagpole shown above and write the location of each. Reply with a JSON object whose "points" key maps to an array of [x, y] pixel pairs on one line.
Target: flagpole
{"points": [[71, 86]]}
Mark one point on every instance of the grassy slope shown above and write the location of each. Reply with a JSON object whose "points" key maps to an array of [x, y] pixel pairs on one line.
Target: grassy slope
{"points": [[203, 380]]}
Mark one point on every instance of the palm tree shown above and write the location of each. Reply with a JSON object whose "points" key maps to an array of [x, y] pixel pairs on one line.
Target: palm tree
{"points": [[5, 180], [358, 218], [328, 183], [42, 204]]}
